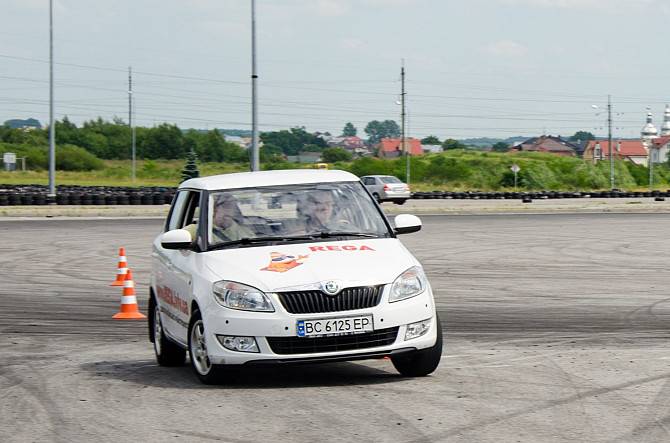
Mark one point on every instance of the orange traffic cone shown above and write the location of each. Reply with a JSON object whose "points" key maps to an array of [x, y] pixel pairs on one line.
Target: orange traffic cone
{"points": [[129, 309], [122, 269]]}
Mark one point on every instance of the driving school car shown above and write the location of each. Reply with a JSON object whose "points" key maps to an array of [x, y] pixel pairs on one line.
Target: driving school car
{"points": [[287, 267]]}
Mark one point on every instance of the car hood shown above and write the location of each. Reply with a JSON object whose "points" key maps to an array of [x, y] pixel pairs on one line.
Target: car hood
{"points": [[308, 265]]}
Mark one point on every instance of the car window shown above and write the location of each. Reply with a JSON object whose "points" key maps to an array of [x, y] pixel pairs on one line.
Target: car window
{"points": [[390, 179], [292, 210], [369, 181], [176, 215], [192, 213]]}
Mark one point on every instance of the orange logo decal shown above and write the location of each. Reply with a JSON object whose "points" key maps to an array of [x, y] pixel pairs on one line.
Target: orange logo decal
{"points": [[281, 262]]}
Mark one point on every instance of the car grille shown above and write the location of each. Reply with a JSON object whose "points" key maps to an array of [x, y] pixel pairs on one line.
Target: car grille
{"points": [[312, 345], [310, 302]]}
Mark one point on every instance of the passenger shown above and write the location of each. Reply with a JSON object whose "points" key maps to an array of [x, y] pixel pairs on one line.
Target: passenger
{"points": [[226, 221]]}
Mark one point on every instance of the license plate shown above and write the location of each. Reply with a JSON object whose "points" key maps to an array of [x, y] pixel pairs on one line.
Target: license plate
{"points": [[335, 326]]}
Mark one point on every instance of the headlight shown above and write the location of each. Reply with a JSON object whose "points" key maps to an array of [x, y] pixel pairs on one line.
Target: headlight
{"points": [[409, 284], [238, 296]]}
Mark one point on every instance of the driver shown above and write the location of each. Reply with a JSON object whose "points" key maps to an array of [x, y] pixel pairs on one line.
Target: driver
{"points": [[321, 213], [225, 220]]}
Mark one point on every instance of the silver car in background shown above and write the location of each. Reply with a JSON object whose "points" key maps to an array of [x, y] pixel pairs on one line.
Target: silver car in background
{"points": [[386, 188]]}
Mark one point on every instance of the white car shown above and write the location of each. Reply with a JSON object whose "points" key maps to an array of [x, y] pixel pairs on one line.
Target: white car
{"points": [[287, 267], [387, 188]]}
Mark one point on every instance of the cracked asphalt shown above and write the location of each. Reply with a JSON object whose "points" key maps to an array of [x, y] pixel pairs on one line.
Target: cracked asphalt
{"points": [[556, 330]]}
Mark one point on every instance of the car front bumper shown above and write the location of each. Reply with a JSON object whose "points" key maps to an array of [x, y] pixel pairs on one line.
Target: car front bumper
{"points": [[283, 325]]}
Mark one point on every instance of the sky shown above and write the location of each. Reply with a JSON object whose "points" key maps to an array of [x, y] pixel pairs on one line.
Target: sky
{"points": [[477, 68]]}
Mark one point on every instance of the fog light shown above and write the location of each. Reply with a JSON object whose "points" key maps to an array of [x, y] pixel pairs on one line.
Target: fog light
{"points": [[417, 329], [239, 344]]}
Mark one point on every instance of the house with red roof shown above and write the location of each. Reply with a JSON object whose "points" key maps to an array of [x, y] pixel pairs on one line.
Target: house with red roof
{"points": [[390, 147], [549, 144], [631, 150], [661, 149]]}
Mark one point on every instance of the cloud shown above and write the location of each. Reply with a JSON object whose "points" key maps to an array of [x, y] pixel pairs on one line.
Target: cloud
{"points": [[507, 48], [352, 43], [330, 8], [607, 5]]}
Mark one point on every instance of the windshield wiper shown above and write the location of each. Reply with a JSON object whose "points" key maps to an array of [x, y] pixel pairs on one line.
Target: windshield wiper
{"points": [[329, 234], [266, 239]]}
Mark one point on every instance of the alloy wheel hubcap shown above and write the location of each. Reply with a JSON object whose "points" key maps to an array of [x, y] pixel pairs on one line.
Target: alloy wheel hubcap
{"points": [[199, 349]]}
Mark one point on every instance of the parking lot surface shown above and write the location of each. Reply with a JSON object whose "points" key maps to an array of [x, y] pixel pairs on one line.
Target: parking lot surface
{"points": [[556, 330]]}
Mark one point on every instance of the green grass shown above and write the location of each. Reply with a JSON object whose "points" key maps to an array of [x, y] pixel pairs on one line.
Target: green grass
{"points": [[449, 171]]}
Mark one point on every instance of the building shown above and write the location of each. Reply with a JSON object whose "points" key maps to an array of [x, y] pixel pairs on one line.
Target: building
{"points": [[661, 148], [665, 129], [390, 147], [631, 150], [431, 148], [352, 143], [549, 144]]}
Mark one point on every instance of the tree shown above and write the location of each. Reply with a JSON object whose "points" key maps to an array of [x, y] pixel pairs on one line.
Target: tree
{"points": [[163, 141], [450, 143], [349, 130], [582, 136], [332, 155], [294, 141], [377, 130], [191, 168], [501, 147], [431, 140]]}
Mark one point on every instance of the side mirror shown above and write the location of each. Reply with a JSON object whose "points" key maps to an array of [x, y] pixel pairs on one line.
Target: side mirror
{"points": [[177, 239], [407, 223]]}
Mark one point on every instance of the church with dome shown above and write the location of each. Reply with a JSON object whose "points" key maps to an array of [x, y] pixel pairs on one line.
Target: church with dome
{"points": [[659, 142]]}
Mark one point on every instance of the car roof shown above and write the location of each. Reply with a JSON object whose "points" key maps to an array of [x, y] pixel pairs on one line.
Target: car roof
{"points": [[377, 176], [268, 178]]}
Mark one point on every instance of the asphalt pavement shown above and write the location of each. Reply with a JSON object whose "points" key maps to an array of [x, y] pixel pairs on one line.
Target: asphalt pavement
{"points": [[556, 330]]}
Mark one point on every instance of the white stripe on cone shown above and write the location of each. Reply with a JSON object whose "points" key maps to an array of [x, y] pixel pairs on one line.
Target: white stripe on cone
{"points": [[123, 271], [128, 284], [128, 300], [123, 258]]}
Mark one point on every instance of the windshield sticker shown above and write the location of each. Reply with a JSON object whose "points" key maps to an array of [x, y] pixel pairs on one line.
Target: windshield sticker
{"points": [[281, 262], [340, 248]]}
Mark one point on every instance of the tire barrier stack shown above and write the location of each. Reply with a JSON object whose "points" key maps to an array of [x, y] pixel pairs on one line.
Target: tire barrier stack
{"points": [[25, 195], [539, 195], [28, 195]]}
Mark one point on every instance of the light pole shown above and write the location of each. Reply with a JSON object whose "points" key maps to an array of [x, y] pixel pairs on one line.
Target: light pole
{"points": [[650, 149], [51, 196], [609, 139], [255, 166]]}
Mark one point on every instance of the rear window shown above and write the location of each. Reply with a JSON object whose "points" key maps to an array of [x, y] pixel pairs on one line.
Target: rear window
{"points": [[390, 179]]}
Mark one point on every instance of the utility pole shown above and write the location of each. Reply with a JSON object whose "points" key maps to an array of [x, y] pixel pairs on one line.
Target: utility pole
{"points": [[403, 142], [51, 196], [255, 166], [651, 164], [133, 167], [609, 139]]}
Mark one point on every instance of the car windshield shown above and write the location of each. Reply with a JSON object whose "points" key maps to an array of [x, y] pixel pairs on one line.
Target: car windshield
{"points": [[390, 179], [302, 212]]}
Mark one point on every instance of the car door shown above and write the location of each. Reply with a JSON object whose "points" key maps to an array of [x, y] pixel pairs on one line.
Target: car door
{"points": [[175, 268], [369, 183]]}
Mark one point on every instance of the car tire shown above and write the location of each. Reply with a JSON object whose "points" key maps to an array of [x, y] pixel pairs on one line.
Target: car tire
{"points": [[399, 202], [206, 372], [376, 196], [167, 352], [423, 362]]}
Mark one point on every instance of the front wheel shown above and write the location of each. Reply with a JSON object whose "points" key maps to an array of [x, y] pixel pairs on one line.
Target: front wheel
{"points": [[376, 196], [399, 202], [167, 352], [423, 362], [207, 372]]}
